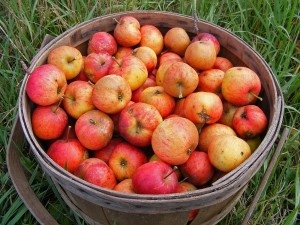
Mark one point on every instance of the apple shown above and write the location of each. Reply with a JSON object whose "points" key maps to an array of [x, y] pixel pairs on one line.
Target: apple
{"points": [[102, 41], [147, 56], [123, 51], [66, 58], [203, 107], [169, 56], [46, 85], [154, 177], [94, 129], [249, 121], [222, 63], [211, 81], [180, 80], [111, 94], [226, 152], [157, 97], [97, 65], [137, 123], [247, 90], [136, 93], [208, 132], [186, 187], [179, 107], [115, 118], [125, 186], [228, 112], [198, 169], [161, 71], [127, 31], [78, 98], [204, 36], [174, 140], [67, 153], [254, 143], [97, 172], [152, 38], [105, 152], [125, 159], [176, 40], [82, 75], [49, 122], [132, 69], [201, 55], [154, 157]]}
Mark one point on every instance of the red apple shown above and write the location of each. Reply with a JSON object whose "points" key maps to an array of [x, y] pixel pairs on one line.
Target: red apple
{"points": [[97, 172], [247, 90], [82, 75], [176, 40], [67, 153], [154, 177], [157, 97], [78, 98], [152, 38], [105, 152], [226, 152], [137, 123], [125, 186], [94, 129], [46, 85], [97, 65], [102, 41], [127, 31], [66, 58], [49, 122], [147, 56], [122, 52], [186, 187], [132, 69], [161, 71], [249, 121], [209, 131], [211, 81], [228, 112], [125, 159], [204, 36], [197, 168], [222, 63], [179, 107], [203, 107], [174, 140], [136, 93], [169, 56], [180, 80], [201, 55], [111, 94], [115, 118]]}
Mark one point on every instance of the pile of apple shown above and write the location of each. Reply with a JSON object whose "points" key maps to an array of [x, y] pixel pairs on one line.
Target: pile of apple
{"points": [[145, 112]]}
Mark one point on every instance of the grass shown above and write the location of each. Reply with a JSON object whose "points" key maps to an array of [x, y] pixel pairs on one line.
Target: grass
{"points": [[270, 26]]}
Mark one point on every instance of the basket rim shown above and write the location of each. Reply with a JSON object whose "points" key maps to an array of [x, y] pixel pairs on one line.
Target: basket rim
{"points": [[237, 174]]}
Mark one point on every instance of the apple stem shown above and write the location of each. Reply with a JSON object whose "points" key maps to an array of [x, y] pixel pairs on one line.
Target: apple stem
{"points": [[58, 104], [180, 91], [91, 83], [259, 98], [116, 60], [184, 179], [68, 133], [173, 170]]}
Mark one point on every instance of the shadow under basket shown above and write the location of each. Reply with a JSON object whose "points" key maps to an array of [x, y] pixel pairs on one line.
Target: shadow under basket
{"points": [[102, 206]]}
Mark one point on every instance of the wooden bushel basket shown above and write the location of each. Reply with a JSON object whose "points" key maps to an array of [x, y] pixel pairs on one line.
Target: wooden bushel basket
{"points": [[102, 206]]}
